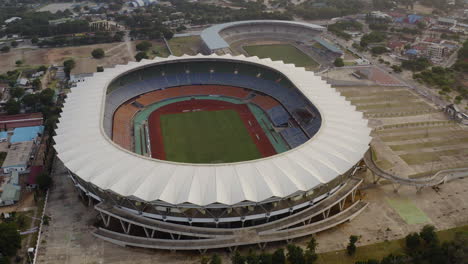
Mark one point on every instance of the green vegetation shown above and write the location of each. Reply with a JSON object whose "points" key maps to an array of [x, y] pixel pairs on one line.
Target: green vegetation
{"points": [[10, 239], [284, 52], [68, 66], [339, 27], [294, 255], [418, 64], [426, 157], [378, 50], [399, 252], [141, 55], [408, 211], [429, 144], [144, 46], [373, 37], [351, 247], [443, 78], [327, 9], [98, 53], [2, 157], [339, 62], [207, 137], [185, 45]]}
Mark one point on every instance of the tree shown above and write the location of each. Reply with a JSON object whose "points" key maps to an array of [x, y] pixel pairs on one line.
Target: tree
{"points": [[42, 68], [21, 221], [265, 258], [34, 40], [412, 241], [17, 92], [10, 239], [144, 46], [98, 53], [14, 44], [100, 69], [351, 248], [68, 65], [44, 181], [30, 100], [5, 49], [215, 259], [36, 84], [295, 254], [310, 254], [378, 50], [12, 107], [46, 97], [429, 235], [279, 257], [141, 55], [168, 34], [237, 258], [338, 62], [18, 62]]}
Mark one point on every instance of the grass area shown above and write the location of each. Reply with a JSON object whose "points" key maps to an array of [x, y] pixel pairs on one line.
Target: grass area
{"points": [[207, 137], [384, 164], [380, 250], [408, 211], [159, 50], [364, 93], [284, 52], [414, 105], [185, 45], [430, 144], [383, 100], [2, 157], [425, 134], [349, 63], [425, 157]]}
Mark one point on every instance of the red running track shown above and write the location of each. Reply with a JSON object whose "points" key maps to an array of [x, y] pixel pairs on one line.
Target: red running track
{"points": [[253, 127]]}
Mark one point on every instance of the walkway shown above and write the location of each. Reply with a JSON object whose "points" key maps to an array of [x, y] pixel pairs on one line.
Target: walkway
{"points": [[438, 178], [296, 225]]}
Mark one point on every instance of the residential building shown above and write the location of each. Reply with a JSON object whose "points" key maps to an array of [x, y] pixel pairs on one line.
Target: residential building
{"points": [[18, 157]]}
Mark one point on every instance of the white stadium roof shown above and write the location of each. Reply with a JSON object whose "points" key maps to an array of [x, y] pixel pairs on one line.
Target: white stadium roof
{"points": [[214, 41], [85, 149]]}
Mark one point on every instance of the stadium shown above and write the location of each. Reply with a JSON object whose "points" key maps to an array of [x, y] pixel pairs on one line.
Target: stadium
{"points": [[291, 41], [204, 152]]}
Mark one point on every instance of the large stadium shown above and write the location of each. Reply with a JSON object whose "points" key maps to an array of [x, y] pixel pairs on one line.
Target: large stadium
{"points": [[202, 152]]}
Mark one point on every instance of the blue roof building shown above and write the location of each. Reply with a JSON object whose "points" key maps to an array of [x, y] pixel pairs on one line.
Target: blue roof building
{"points": [[21, 134]]}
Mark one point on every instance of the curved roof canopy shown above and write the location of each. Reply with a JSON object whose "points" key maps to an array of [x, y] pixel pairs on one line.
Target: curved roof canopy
{"points": [[214, 41], [86, 151]]}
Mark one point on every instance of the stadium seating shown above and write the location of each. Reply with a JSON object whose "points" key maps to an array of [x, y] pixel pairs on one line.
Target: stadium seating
{"points": [[153, 84], [122, 127], [293, 136]]}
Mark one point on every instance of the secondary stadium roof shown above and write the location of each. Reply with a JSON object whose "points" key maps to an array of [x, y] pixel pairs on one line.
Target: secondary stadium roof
{"points": [[214, 41], [85, 149]]}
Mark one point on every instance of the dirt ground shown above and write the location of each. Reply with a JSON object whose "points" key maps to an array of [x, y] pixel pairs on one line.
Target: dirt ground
{"points": [[116, 53], [68, 238]]}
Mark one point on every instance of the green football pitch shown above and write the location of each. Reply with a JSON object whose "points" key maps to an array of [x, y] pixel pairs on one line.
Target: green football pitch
{"points": [[207, 137], [284, 52]]}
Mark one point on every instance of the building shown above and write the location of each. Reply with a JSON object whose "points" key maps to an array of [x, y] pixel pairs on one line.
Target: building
{"points": [[436, 51], [142, 3], [10, 194], [10, 190], [152, 202], [450, 22], [31, 133], [8, 122], [12, 19], [216, 38], [454, 113], [18, 157]]}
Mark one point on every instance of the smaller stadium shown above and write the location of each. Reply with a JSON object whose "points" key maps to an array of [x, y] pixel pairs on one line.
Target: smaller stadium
{"points": [[205, 152], [290, 41]]}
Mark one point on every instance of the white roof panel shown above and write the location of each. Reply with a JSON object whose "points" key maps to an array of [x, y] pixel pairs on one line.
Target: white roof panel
{"points": [[85, 149]]}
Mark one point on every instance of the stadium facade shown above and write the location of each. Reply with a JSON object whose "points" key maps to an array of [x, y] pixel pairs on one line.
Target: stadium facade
{"points": [[217, 38], [151, 203]]}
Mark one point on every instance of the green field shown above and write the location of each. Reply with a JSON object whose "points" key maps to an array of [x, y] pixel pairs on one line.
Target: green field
{"points": [[207, 137], [284, 52]]}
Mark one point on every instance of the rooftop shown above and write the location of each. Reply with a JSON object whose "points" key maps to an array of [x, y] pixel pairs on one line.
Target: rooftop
{"points": [[21, 134], [214, 41], [18, 154], [10, 193]]}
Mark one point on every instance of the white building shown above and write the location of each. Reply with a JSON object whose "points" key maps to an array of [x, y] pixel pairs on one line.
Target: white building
{"points": [[12, 19]]}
